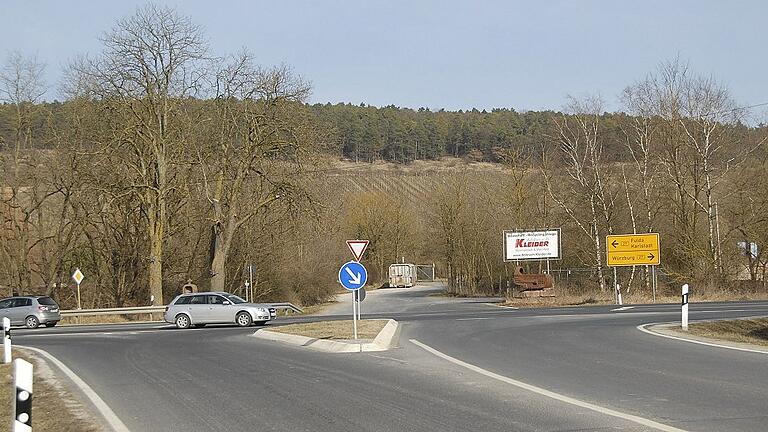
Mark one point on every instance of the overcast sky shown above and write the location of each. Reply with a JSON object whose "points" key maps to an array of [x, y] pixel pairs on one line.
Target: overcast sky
{"points": [[440, 54]]}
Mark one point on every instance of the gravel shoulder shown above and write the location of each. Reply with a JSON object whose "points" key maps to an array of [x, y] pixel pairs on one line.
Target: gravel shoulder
{"points": [[54, 407]]}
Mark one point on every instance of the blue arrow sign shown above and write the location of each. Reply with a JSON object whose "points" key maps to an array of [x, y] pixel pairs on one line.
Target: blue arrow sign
{"points": [[352, 275]]}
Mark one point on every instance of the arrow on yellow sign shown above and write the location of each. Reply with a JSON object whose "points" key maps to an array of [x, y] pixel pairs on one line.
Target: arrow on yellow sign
{"points": [[632, 249]]}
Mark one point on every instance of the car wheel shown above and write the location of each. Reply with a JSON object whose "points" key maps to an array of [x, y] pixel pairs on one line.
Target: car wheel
{"points": [[51, 324], [32, 322], [243, 319], [182, 321]]}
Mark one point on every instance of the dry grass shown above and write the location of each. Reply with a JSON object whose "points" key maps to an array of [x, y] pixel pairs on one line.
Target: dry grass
{"points": [[313, 309], [366, 329], [597, 298], [752, 331], [54, 409]]}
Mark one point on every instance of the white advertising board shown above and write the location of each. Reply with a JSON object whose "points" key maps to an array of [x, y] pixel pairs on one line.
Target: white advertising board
{"points": [[532, 245]]}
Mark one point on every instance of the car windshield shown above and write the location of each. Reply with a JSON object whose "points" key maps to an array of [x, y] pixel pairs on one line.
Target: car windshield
{"points": [[47, 301], [234, 299]]}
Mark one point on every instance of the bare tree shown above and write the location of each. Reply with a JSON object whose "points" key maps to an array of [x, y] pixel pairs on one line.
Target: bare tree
{"points": [[581, 148], [152, 61], [694, 120], [21, 86], [255, 157]]}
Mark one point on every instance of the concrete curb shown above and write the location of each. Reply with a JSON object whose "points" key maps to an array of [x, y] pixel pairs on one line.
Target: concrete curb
{"points": [[387, 339], [666, 330]]}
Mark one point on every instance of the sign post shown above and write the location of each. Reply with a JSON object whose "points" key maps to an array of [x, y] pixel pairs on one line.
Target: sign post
{"points": [[358, 296], [351, 279], [353, 276], [627, 250], [632, 250], [684, 320], [78, 276]]}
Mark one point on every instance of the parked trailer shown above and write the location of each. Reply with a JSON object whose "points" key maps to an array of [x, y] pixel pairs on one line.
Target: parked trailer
{"points": [[402, 275]]}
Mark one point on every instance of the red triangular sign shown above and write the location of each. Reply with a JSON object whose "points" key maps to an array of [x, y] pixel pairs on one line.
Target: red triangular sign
{"points": [[357, 247]]}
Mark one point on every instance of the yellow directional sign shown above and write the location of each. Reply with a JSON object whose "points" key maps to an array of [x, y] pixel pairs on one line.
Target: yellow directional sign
{"points": [[632, 249]]}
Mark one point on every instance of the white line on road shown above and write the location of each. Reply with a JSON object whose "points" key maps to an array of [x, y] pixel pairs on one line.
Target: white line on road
{"points": [[472, 319], [622, 308], [109, 416], [550, 394], [643, 329], [501, 306]]}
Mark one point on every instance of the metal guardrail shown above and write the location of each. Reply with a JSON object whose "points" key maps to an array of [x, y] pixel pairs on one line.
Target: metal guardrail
{"points": [[152, 309], [287, 307], [114, 311]]}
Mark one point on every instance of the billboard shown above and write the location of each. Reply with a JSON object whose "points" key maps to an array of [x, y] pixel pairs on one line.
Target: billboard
{"points": [[532, 245]]}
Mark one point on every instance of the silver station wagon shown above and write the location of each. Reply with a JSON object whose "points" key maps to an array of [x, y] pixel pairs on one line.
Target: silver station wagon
{"points": [[30, 311], [199, 309]]}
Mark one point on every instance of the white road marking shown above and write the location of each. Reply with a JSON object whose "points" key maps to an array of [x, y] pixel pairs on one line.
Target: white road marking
{"points": [[720, 310], [389, 358], [109, 416], [472, 319], [622, 308], [643, 329], [500, 306], [550, 394]]}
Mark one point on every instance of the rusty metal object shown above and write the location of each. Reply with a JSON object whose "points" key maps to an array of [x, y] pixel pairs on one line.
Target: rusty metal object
{"points": [[534, 285]]}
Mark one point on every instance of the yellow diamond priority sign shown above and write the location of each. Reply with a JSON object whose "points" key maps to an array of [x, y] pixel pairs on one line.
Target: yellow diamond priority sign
{"points": [[632, 249], [78, 276]]}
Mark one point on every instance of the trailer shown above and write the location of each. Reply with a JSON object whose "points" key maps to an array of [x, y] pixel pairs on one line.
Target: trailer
{"points": [[402, 275]]}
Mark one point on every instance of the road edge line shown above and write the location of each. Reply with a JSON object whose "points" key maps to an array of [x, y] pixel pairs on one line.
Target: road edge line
{"points": [[642, 328], [502, 306], [106, 412], [548, 393]]}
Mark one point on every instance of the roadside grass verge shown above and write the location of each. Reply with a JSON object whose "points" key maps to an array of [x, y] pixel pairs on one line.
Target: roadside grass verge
{"points": [[54, 409], [597, 298], [366, 329], [752, 331]]}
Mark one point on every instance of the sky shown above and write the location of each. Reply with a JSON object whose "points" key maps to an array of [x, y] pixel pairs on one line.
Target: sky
{"points": [[439, 54]]}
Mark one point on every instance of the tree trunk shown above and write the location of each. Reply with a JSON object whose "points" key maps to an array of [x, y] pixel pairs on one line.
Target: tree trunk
{"points": [[155, 228]]}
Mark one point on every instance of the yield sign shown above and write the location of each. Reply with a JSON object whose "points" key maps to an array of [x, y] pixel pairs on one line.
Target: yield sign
{"points": [[357, 247]]}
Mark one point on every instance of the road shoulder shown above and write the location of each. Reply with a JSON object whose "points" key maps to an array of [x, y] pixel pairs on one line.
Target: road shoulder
{"points": [[108, 418], [669, 331]]}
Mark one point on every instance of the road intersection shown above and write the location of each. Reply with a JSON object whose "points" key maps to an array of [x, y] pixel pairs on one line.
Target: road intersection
{"points": [[463, 364]]}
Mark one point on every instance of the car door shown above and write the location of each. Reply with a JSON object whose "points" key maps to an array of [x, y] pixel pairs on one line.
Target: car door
{"points": [[198, 309], [25, 308], [218, 310], [16, 311], [5, 308]]}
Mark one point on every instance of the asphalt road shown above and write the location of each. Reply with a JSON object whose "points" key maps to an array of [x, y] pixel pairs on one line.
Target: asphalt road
{"points": [[593, 359]]}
